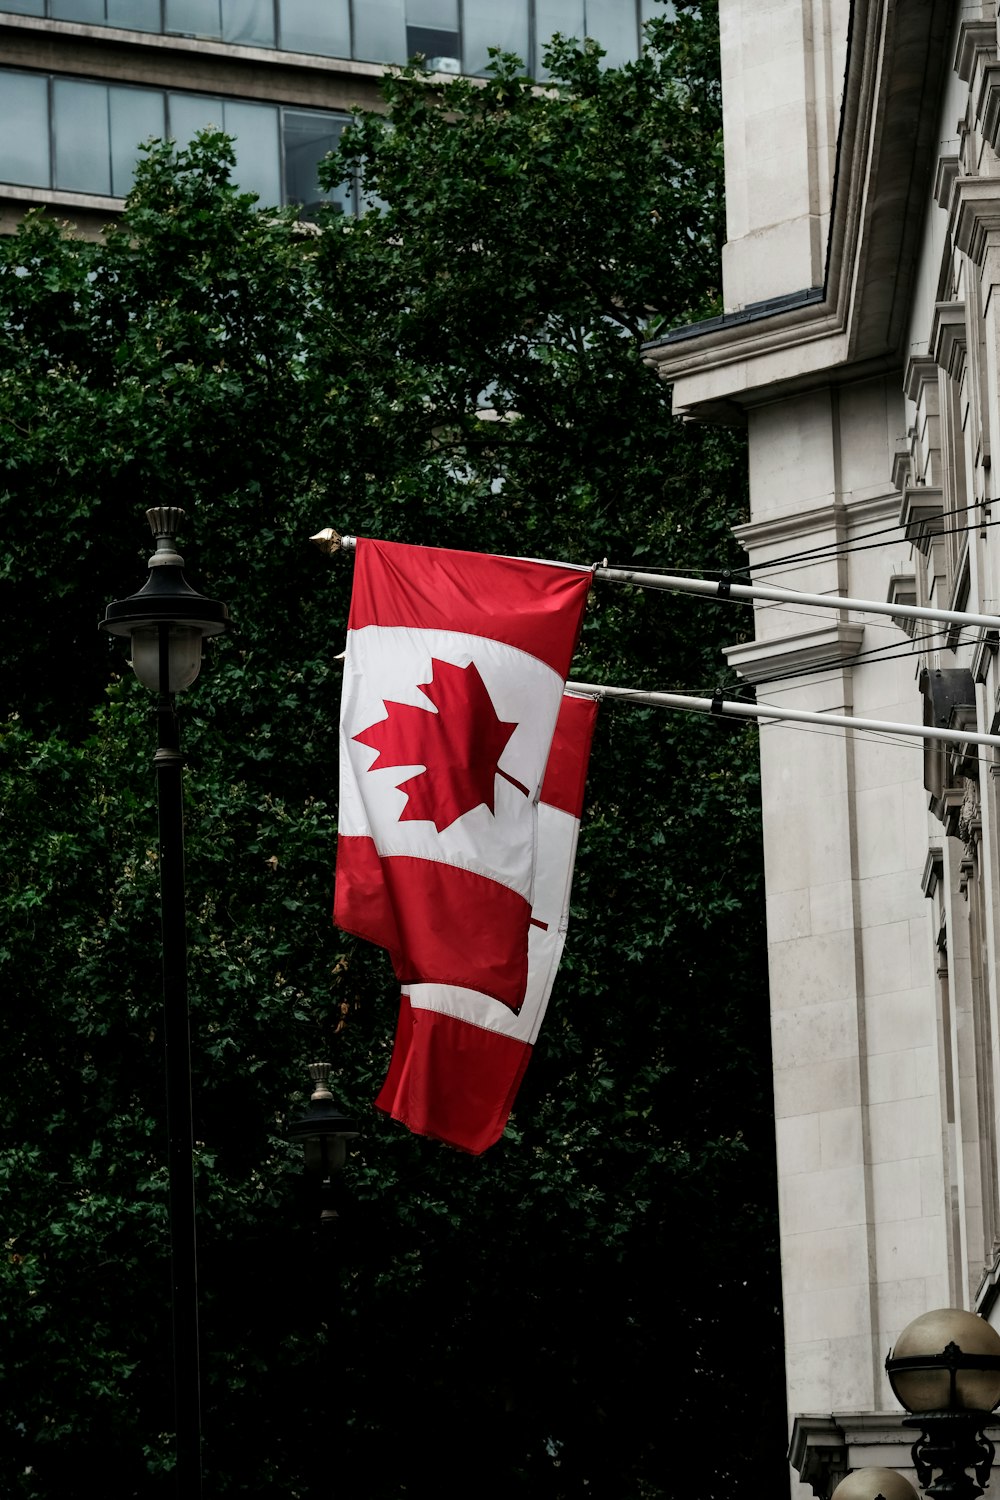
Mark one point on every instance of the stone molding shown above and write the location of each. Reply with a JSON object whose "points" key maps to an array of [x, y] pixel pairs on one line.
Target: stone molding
{"points": [[974, 214], [944, 180], [974, 39], [763, 660], [920, 515], [949, 338], [824, 1449], [794, 526], [897, 58]]}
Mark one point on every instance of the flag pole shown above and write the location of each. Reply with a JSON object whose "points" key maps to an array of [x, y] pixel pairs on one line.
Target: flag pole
{"points": [[724, 588], [331, 541], [736, 708]]}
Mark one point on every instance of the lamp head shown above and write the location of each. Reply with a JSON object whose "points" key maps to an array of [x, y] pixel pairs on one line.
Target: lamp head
{"points": [[874, 1484], [946, 1360], [167, 619]]}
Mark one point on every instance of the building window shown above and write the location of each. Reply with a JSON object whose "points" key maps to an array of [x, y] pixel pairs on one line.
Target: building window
{"points": [[457, 33], [248, 22], [83, 136]]}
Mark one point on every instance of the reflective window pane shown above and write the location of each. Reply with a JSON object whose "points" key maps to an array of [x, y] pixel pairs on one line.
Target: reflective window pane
{"points": [[380, 30], [135, 15], [307, 137], [258, 164], [196, 17], [613, 23], [441, 15], [189, 113], [564, 16], [25, 7], [78, 10], [433, 44], [489, 25], [317, 26], [82, 147], [24, 129], [664, 9], [136, 115], [249, 22]]}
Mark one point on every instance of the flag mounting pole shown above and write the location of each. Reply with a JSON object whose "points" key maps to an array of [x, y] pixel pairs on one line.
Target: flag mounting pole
{"points": [[332, 541], [724, 588], [736, 708]]}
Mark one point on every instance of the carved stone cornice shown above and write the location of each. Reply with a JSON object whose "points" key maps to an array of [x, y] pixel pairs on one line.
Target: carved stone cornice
{"points": [[976, 39], [974, 214], [944, 179], [988, 102], [903, 590], [921, 372], [823, 649], [897, 63], [824, 1448], [795, 527], [920, 515], [949, 339]]}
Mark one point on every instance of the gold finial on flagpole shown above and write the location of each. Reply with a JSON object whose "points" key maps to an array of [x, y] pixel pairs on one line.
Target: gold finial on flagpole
{"points": [[327, 540]]}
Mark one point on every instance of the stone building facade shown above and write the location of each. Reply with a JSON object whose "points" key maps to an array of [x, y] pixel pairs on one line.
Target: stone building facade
{"points": [[860, 345]]}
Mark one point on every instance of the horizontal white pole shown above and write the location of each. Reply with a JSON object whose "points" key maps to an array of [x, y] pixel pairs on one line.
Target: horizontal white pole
{"points": [[734, 708], [332, 541], [713, 589]]}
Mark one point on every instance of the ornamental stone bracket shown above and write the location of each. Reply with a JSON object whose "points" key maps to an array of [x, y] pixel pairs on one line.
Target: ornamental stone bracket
{"points": [[948, 341], [767, 660], [824, 1449], [975, 211]]}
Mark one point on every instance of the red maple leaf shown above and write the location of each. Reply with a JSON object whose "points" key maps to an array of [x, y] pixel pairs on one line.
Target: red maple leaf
{"points": [[459, 746]]}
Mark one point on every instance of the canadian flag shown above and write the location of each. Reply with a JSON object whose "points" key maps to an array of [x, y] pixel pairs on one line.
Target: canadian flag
{"points": [[453, 676], [458, 1057]]}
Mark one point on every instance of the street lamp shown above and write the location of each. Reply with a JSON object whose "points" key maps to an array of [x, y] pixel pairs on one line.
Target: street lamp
{"points": [[167, 620], [324, 1131], [874, 1484], [945, 1370]]}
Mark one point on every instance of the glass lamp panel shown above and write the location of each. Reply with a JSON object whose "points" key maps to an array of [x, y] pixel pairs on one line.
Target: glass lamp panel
{"points": [[82, 136], [184, 657], [193, 17], [320, 27], [614, 24], [249, 22], [258, 160], [380, 30], [136, 116], [135, 15], [307, 137], [865, 1484], [928, 1337], [488, 25], [24, 129]]}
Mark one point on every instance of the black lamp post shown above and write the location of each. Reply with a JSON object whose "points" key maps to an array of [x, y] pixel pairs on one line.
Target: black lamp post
{"points": [[945, 1370], [324, 1131], [167, 621]]}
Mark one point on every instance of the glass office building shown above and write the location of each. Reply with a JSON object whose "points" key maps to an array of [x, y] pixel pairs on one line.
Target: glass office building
{"points": [[83, 82]]}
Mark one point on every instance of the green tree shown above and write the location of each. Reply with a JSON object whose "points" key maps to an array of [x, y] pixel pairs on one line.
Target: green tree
{"points": [[460, 365]]}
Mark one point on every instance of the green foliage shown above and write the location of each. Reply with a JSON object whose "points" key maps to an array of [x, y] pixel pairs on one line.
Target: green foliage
{"points": [[459, 366]]}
